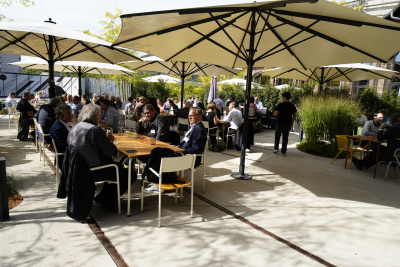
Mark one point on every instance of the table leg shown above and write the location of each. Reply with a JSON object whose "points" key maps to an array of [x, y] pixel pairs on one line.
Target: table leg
{"points": [[347, 152], [128, 212], [377, 157]]}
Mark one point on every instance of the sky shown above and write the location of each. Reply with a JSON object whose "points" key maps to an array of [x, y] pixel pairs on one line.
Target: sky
{"points": [[85, 14]]}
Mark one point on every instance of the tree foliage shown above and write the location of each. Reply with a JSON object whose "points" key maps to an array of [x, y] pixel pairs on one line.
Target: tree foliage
{"points": [[7, 3]]}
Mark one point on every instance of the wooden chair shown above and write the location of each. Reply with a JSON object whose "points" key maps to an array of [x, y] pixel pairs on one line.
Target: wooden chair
{"points": [[13, 117], [174, 164], [343, 146]]}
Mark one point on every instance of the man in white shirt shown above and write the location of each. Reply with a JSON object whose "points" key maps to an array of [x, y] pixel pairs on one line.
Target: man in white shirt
{"points": [[127, 106], [258, 103], [10, 101], [233, 120]]}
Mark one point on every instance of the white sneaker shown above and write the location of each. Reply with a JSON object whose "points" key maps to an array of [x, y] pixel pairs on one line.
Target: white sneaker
{"points": [[275, 151], [152, 188], [247, 150], [283, 154]]}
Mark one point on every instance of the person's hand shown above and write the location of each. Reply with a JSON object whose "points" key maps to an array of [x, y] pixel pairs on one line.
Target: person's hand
{"points": [[225, 112], [384, 125], [110, 136], [143, 120]]}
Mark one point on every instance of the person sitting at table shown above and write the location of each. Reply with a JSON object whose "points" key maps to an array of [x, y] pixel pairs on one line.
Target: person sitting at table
{"points": [[233, 120], [27, 112], [78, 105], [258, 103], [371, 128], [386, 118], [195, 138], [391, 135], [127, 106], [118, 102], [60, 129], [152, 101], [218, 101], [184, 112], [173, 109], [161, 106], [211, 115], [46, 117], [153, 125], [97, 148], [10, 100], [140, 104], [110, 115]]}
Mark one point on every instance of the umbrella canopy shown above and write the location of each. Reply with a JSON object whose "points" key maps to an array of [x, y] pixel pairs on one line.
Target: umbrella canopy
{"points": [[213, 89], [284, 86], [291, 33], [79, 67], [342, 72], [164, 78], [234, 81], [52, 43], [179, 68]]}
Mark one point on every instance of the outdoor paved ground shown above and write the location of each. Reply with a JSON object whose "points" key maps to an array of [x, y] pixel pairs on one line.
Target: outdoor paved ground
{"points": [[297, 210]]}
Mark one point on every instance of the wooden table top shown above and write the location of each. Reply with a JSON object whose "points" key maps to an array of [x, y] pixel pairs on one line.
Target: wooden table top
{"points": [[140, 143]]}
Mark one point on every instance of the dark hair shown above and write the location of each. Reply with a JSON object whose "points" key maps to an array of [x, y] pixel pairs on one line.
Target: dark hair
{"points": [[148, 107], [105, 102], [395, 118], [54, 102], [59, 112], [287, 95], [384, 112], [252, 99], [130, 99]]}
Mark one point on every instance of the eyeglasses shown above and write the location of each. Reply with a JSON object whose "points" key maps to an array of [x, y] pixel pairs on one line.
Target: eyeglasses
{"points": [[191, 116]]}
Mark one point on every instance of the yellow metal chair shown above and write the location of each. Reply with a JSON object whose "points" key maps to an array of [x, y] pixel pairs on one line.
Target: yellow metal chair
{"points": [[343, 142]]}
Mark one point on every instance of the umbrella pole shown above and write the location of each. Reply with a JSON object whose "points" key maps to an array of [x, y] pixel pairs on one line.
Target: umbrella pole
{"points": [[241, 175], [80, 81], [52, 91], [182, 83], [321, 82]]}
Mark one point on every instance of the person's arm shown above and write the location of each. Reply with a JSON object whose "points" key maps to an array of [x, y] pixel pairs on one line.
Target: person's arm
{"points": [[215, 119], [140, 127], [294, 117], [103, 142], [382, 134], [368, 129], [162, 128]]}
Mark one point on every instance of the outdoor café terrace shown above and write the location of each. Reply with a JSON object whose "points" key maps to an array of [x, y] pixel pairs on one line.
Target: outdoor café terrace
{"points": [[298, 210]]}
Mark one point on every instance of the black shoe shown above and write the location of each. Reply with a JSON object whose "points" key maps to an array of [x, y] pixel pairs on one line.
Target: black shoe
{"points": [[358, 164], [108, 205]]}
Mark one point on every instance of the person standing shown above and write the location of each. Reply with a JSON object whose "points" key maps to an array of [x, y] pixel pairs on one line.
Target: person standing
{"points": [[286, 115], [27, 112]]}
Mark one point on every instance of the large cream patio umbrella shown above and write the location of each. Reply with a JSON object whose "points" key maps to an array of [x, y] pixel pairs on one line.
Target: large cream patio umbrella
{"points": [[291, 33], [78, 67], [53, 43], [341, 72], [180, 68]]}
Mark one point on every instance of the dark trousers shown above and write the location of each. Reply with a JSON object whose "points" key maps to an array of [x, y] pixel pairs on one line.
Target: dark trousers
{"points": [[23, 129], [370, 160], [282, 129], [109, 191]]}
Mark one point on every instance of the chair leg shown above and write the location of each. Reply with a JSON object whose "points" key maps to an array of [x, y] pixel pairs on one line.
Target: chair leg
{"points": [[40, 151], [142, 198], [204, 174], [159, 207], [176, 196], [387, 170]]}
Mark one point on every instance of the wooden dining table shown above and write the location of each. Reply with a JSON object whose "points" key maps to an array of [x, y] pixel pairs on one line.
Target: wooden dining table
{"points": [[134, 145]]}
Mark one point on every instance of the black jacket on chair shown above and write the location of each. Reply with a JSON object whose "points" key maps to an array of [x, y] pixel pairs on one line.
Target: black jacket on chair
{"points": [[77, 185]]}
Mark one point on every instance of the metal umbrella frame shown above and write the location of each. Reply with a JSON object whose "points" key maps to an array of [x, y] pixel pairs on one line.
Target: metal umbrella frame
{"points": [[53, 43], [291, 33], [182, 69], [78, 67], [342, 72]]}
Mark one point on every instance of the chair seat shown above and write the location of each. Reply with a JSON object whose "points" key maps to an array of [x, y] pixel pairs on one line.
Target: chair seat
{"points": [[175, 186]]}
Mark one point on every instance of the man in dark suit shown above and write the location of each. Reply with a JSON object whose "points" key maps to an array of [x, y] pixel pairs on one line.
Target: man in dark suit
{"points": [[385, 132], [195, 138], [60, 129], [46, 116]]}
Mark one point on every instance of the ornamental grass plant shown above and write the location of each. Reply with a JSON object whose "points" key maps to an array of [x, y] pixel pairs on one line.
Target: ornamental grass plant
{"points": [[322, 118]]}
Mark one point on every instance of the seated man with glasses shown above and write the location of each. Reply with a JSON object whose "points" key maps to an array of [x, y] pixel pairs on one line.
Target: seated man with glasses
{"points": [[195, 138]]}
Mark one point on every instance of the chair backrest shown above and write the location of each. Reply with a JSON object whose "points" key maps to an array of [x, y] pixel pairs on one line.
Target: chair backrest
{"points": [[182, 121], [251, 112], [40, 130], [11, 110], [130, 124], [176, 164], [342, 141], [122, 112]]}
